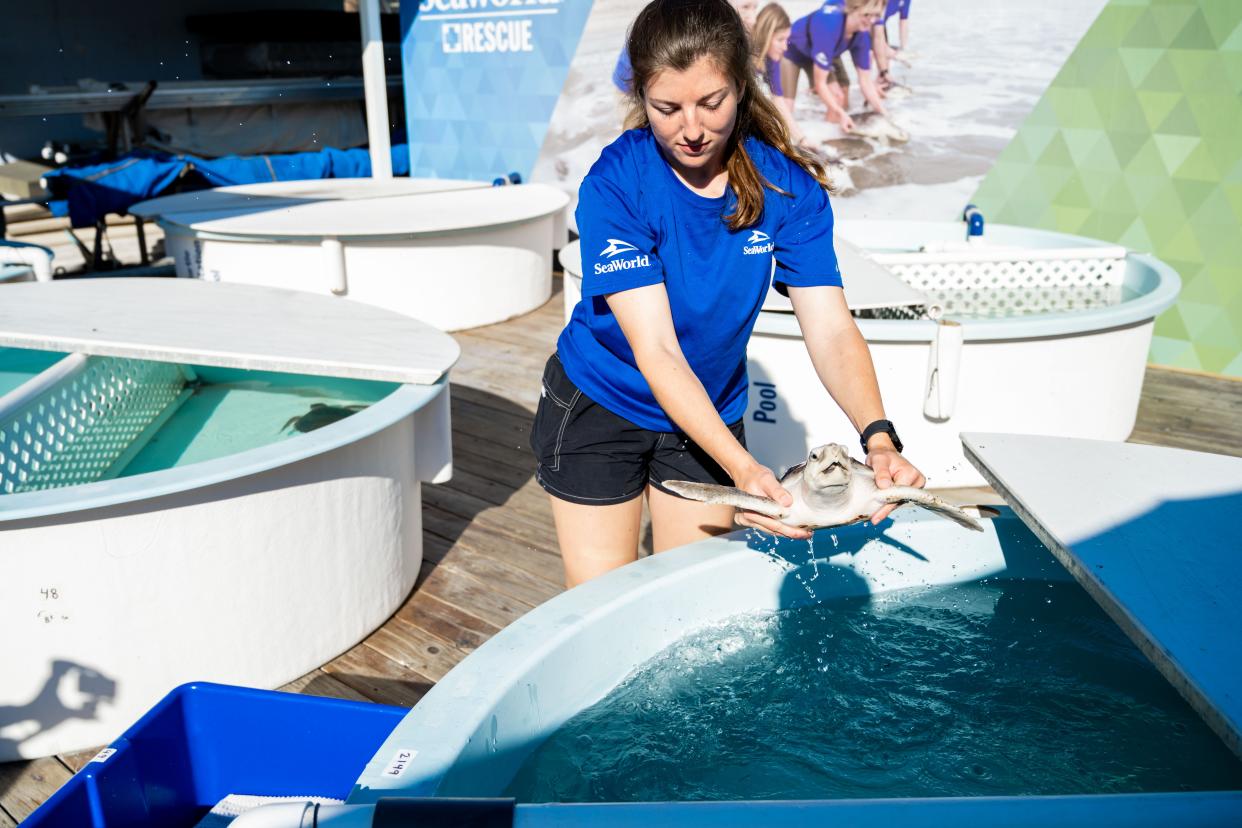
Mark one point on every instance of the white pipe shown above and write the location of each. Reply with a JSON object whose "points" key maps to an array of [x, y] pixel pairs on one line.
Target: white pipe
{"points": [[306, 815], [943, 368], [38, 258], [334, 266], [375, 84]]}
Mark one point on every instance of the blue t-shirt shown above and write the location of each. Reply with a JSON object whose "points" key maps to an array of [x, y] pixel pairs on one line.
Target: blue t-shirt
{"points": [[640, 225], [819, 38], [895, 6], [772, 74], [623, 73]]}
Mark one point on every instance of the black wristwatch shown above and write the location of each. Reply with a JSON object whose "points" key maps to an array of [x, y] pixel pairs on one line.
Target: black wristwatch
{"points": [[874, 429]]}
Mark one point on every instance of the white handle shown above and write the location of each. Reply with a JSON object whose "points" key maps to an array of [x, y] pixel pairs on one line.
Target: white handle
{"points": [[943, 367]]}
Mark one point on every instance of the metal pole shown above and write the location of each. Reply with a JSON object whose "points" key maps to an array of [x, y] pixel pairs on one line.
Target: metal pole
{"points": [[375, 85]]}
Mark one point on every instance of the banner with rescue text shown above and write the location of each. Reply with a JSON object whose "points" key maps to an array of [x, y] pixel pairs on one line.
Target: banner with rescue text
{"points": [[481, 80]]}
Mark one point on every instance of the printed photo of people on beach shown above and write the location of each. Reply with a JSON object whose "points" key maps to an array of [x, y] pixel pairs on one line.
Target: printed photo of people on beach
{"points": [[910, 101]]}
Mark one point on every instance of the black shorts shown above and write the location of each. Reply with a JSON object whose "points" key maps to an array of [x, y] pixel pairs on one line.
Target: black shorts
{"points": [[588, 455]]}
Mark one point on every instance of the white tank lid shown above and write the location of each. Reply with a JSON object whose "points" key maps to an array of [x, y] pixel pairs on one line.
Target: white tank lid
{"points": [[290, 193], [868, 285], [399, 216], [226, 325], [1151, 533]]}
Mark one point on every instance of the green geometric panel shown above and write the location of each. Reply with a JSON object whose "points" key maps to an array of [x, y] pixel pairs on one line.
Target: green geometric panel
{"points": [[1138, 140]]}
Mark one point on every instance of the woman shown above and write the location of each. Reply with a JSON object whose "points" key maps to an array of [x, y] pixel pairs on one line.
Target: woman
{"points": [[622, 73], [680, 219], [817, 40], [885, 52], [768, 41]]}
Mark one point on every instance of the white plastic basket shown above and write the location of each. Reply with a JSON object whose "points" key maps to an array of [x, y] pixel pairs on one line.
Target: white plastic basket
{"points": [[83, 420], [1006, 281]]}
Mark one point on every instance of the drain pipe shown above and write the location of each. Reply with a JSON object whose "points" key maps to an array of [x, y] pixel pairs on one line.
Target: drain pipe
{"points": [[306, 815], [334, 266], [943, 367], [389, 812]]}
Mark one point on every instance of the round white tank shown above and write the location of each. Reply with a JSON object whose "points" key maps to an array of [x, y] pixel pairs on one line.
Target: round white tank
{"points": [[454, 254], [252, 567]]}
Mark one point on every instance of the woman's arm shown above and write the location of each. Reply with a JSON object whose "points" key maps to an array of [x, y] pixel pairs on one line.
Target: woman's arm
{"points": [[786, 106], [819, 81], [647, 322], [880, 48], [866, 82], [843, 362]]}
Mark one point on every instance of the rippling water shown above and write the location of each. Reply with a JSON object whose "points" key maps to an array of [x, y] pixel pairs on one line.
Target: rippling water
{"points": [[984, 689]]}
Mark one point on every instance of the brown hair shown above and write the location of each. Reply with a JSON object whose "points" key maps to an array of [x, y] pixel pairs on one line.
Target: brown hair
{"points": [[770, 20], [675, 34]]}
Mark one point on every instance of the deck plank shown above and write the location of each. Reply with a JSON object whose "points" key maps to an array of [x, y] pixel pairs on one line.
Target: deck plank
{"points": [[462, 630], [413, 648], [77, 760], [472, 597], [24, 786], [319, 683], [487, 567], [486, 531], [378, 678], [490, 547]]}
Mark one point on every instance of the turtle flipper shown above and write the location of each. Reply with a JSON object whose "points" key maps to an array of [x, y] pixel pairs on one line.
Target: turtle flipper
{"points": [[726, 496], [921, 497]]}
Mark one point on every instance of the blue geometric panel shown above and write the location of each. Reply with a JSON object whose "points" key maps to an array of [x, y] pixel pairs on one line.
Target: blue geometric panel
{"points": [[481, 80]]}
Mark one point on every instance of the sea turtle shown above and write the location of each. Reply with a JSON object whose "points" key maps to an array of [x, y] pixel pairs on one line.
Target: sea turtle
{"points": [[829, 489], [320, 415], [877, 127]]}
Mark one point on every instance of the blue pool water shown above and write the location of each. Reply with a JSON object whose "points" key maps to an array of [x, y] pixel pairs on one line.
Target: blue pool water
{"points": [[993, 688], [227, 412], [17, 365]]}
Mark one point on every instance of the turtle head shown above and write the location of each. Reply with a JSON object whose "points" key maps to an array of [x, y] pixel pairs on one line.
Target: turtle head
{"points": [[828, 465]]}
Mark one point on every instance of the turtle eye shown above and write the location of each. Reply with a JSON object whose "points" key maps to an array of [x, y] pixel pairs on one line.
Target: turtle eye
{"points": [[814, 455]]}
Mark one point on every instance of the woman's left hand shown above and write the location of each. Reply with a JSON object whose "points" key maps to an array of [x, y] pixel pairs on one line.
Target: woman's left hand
{"points": [[891, 469]]}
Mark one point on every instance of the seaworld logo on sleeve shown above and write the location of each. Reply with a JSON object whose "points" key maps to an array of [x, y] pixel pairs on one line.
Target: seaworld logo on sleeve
{"points": [[486, 25]]}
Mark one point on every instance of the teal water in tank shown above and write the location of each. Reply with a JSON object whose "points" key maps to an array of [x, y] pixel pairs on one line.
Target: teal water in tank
{"points": [[985, 689], [228, 411], [17, 365]]}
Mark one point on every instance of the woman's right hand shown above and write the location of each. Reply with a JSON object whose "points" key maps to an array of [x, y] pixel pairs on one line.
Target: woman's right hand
{"points": [[759, 480], [842, 120]]}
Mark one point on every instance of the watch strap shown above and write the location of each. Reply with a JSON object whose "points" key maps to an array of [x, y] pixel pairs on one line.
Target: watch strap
{"points": [[875, 428]]}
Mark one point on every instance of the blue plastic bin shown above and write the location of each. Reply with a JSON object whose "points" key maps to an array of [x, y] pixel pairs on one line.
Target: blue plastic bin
{"points": [[203, 742]]}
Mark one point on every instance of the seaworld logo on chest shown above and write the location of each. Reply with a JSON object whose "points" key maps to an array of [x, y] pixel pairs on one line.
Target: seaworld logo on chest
{"points": [[759, 242]]}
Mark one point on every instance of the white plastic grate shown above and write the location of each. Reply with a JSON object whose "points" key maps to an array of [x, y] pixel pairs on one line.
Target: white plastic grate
{"points": [[1005, 282], [77, 429]]}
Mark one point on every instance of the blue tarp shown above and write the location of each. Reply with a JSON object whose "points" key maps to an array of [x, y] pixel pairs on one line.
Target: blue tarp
{"points": [[86, 194]]}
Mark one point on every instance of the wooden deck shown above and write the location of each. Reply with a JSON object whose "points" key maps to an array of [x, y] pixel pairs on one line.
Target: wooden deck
{"points": [[489, 548]]}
